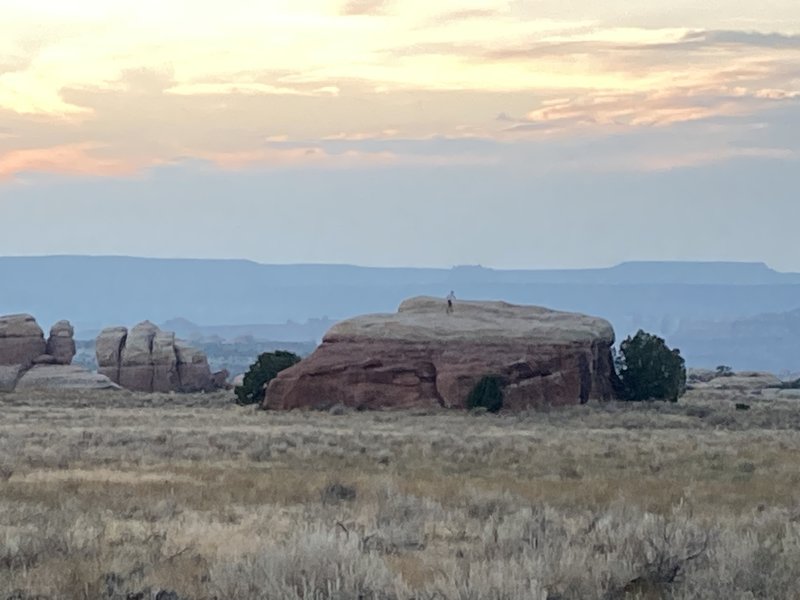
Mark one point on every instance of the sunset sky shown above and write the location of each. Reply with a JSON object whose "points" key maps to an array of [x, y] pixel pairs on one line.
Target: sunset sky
{"points": [[549, 133]]}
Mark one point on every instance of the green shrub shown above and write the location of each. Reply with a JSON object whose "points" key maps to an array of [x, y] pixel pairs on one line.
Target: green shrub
{"points": [[261, 372], [487, 393], [649, 370], [724, 371]]}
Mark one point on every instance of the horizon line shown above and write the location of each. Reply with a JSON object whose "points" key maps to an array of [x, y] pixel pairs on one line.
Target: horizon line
{"points": [[659, 262]]}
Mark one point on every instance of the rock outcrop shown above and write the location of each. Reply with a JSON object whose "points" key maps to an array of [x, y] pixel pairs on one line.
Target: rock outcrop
{"points": [[423, 357], [21, 340], [27, 362], [63, 377], [61, 344], [739, 381], [108, 350], [147, 359]]}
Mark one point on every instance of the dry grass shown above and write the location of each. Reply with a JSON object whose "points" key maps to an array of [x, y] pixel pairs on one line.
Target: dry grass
{"points": [[127, 496]]}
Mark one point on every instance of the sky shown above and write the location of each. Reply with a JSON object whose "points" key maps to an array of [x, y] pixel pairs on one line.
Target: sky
{"points": [[512, 134]]}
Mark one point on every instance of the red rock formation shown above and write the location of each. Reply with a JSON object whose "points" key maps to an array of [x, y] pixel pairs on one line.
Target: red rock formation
{"points": [[147, 359], [424, 357]]}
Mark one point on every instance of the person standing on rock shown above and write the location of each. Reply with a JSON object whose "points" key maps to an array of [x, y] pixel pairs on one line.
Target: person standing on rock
{"points": [[451, 298]]}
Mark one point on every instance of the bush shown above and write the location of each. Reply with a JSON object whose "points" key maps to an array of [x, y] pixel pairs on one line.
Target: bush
{"points": [[487, 393], [649, 370], [724, 371], [261, 372]]}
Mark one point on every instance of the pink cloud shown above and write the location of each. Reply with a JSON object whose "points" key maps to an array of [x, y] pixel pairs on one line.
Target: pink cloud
{"points": [[70, 159]]}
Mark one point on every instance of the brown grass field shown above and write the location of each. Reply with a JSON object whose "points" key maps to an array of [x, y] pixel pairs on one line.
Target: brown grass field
{"points": [[126, 496]]}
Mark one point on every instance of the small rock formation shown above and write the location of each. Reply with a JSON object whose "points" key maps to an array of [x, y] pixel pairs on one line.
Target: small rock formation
{"points": [[60, 344], [220, 379], [21, 340], [740, 381], [27, 362], [147, 359], [423, 357], [63, 377]]}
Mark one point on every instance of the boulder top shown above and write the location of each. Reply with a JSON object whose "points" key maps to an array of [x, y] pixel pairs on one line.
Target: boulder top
{"points": [[20, 325], [425, 319]]}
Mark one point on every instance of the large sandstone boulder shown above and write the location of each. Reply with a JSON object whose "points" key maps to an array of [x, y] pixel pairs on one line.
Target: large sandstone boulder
{"points": [[423, 357], [21, 340], [108, 350], [136, 364], [147, 359], [63, 377], [193, 370], [61, 343], [27, 362]]}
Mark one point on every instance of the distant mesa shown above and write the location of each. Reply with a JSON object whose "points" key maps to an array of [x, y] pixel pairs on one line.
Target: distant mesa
{"points": [[423, 357], [28, 362], [147, 359]]}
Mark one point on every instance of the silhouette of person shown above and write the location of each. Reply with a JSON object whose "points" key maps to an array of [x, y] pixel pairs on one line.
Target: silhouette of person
{"points": [[451, 297]]}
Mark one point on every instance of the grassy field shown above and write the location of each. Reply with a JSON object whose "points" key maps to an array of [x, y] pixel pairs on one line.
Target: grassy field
{"points": [[125, 496]]}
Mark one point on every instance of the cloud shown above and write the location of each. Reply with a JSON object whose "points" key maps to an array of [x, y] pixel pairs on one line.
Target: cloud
{"points": [[469, 14], [364, 7], [68, 159], [112, 96], [10, 64], [573, 131], [741, 38], [644, 109]]}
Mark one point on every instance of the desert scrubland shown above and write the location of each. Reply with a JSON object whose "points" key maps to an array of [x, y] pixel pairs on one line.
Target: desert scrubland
{"points": [[123, 495]]}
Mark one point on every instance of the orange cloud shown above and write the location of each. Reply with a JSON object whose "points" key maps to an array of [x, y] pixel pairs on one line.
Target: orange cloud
{"points": [[71, 159], [316, 156], [111, 87]]}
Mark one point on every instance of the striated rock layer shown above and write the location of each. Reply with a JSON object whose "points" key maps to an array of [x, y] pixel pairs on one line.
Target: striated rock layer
{"points": [[147, 359], [423, 357]]}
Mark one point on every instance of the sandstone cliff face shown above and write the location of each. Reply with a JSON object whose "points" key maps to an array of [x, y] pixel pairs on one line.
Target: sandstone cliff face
{"points": [[147, 359], [423, 357]]}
